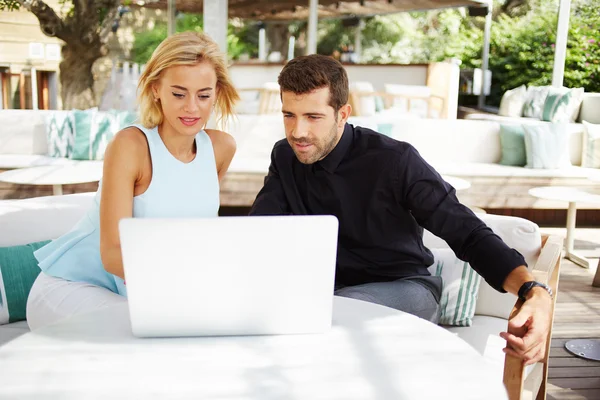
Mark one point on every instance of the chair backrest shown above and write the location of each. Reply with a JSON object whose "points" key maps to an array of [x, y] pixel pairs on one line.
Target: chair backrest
{"points": [[362, 101], [269, 99], [519, 384]]}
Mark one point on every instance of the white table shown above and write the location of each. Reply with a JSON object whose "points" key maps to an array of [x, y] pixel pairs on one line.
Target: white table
{"points": [[55, 175], [572, 195], [371, 352], [457, 183]]}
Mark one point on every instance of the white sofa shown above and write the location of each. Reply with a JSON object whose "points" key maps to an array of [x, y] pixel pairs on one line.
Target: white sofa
{"points": [[465, 148], [589, 111], [454, 147], [42, 218]]}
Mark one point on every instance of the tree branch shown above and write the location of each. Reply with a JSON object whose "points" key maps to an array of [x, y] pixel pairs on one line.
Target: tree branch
{"points": [[50, 23], [111, 15], [81, 7]]}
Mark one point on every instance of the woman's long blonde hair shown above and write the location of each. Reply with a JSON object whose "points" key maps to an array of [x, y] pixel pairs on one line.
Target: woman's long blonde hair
{"points": [[186, 48]]}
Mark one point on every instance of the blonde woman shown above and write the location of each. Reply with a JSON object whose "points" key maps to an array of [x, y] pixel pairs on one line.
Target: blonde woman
{"points": [[167, 166]]}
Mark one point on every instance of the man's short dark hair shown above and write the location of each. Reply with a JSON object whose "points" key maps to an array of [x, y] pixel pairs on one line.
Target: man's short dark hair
{"points": [[307, 73]]}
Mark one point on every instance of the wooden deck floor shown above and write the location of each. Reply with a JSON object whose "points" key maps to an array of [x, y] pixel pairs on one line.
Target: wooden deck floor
{"points": [[577, 316]]}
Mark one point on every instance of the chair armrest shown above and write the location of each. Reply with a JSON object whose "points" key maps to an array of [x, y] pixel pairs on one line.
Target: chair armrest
{"points": [[546, 270]]}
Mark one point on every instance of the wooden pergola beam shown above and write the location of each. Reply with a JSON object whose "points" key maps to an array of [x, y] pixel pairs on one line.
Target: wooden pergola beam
{"points": [[287, 10]]}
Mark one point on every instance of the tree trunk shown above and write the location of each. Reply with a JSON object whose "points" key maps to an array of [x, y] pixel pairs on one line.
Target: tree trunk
{"points": [[85, 34], [278, 37], [76, 79]]}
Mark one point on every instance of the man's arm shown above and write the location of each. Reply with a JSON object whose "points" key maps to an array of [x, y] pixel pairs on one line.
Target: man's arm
{"points": [[528, 329], [434, 205], [271, 199]]}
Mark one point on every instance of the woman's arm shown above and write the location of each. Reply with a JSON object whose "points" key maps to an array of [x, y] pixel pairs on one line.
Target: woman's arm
{"points": [[122, 170]]}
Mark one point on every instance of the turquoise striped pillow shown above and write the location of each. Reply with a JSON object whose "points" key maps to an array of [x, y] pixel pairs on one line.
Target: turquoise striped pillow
{"points": [[562, 105], [461, 285], [18, 270]]}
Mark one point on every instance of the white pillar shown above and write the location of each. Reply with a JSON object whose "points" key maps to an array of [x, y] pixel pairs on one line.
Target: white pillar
{"points": [[358, 40], [171, 24], [216, 20], [34, 89], [291, 47], [262, 44], [485, 58], [560, 48], [313, 20]]}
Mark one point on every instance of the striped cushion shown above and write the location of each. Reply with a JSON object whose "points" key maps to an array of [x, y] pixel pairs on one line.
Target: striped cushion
{"points": [[60, 133], [562, 105], [534, 101], [461, 285]]}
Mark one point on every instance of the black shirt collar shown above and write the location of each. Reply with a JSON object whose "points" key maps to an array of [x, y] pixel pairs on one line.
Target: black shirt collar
{"points": [[333, 159]]}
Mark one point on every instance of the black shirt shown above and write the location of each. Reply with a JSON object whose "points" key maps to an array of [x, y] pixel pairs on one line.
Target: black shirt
{"points": [[383, 194]]}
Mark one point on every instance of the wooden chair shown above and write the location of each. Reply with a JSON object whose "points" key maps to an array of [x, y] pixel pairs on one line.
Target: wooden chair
{"points": [[533, 386], [269, 101]]}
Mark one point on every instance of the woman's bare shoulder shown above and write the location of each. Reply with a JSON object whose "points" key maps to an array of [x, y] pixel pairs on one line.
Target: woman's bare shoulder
{"points": [[221, 141]]}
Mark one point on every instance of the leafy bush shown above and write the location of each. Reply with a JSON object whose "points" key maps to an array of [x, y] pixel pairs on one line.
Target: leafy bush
{"points": [[241, 38]]}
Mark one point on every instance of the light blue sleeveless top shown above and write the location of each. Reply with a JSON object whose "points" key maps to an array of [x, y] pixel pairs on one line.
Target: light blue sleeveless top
{"points": [[177, 190]]}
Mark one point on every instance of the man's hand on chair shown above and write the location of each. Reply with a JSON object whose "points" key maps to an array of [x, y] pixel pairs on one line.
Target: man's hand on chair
{"points": [[528, 329]]}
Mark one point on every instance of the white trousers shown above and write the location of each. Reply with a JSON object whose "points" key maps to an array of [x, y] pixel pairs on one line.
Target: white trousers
{"points": [[53, 299]]}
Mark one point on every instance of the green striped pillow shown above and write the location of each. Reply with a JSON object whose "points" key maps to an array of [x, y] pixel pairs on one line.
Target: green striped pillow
{"points": [[461, 285], [18, 270], [562, 105], [60, 133], [94, 129]]}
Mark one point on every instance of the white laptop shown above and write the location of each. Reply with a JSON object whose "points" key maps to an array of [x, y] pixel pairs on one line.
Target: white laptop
{"points": [[229, 275]]}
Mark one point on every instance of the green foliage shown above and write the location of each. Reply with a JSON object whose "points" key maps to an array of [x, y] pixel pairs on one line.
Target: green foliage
{"points": [[522, 49], [9, 5], [241, 38]]}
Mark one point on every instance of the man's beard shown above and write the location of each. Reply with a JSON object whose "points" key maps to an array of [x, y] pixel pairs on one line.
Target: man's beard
{"points": [[321, 151]]}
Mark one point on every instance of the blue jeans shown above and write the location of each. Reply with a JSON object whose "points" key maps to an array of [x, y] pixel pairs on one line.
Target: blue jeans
{"points": [[419, 296]]}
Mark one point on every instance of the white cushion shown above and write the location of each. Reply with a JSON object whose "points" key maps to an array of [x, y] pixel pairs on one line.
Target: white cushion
{"points": [[9, 332], [436, 139], [366, 103], [518, 233], [547, 146], [255, 136], [511, 104], [483, 335], [590, 157], [23, 132], [534, 103], [473, 169], [418, 93], [501, 118], [589, 108], [13, 161], [41, 218]]}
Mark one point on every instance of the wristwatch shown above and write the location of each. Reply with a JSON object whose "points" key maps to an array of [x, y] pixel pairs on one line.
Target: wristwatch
{"points": [[527, 286]]}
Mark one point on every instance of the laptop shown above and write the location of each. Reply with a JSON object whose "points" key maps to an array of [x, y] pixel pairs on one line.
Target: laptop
{"points": [[229, 275]]}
